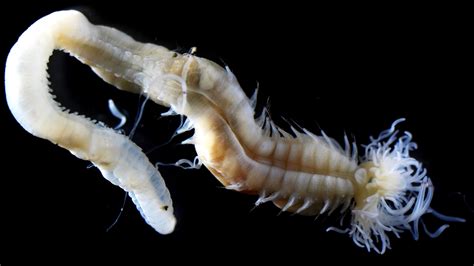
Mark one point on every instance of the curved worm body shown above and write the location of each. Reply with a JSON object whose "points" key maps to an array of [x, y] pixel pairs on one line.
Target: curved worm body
{"points": [[119, 160], [386, 189]]}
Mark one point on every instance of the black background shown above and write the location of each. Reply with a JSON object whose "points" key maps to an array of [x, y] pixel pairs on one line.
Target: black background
{"points": [[343, 69]]}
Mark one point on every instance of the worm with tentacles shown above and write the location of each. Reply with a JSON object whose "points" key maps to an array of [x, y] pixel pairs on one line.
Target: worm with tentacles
{"points": [[385, 190]]}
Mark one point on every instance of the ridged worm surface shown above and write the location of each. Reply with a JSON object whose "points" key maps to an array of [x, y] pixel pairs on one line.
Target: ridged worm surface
{"points": [[385, 189]]}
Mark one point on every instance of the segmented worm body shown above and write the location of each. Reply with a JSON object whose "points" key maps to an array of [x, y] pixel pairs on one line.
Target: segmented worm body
{"points": [[386, 189]]}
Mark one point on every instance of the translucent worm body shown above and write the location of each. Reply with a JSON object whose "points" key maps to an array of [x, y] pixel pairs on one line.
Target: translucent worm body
{"points": [[386, 189]]}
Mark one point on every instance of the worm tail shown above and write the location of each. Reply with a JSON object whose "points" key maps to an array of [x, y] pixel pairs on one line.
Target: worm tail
{"points": [[27, 92]]}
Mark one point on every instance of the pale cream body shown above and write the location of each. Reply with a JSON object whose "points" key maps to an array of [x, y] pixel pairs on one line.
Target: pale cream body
{"points": [[299, 172]]}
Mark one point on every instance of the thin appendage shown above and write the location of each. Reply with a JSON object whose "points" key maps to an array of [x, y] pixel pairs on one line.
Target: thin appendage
{"points": [[116, 112], [445, 218], [119, 214]]}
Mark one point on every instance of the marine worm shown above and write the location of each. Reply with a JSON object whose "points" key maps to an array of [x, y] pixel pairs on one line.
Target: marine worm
{"points": [[385, 189]]}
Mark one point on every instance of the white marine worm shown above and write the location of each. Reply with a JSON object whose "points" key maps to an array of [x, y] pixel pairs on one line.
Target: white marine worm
{"points": [[385, 190]]}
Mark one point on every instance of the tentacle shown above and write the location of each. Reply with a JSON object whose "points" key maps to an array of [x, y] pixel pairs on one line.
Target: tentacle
{"points": [[116, 112], [393, 192]]}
